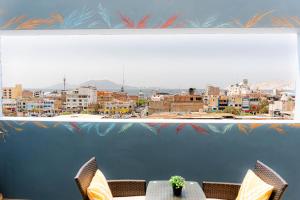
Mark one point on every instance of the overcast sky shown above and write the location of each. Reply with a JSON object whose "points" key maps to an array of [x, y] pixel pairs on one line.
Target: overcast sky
{"points": [[168, 61]]}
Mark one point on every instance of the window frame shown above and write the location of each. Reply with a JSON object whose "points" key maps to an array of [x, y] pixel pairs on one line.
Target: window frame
{"points": [[157, 31]]}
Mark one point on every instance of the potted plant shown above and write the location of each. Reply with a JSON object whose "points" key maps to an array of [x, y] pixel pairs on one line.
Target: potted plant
{"points": [[177, 183]]}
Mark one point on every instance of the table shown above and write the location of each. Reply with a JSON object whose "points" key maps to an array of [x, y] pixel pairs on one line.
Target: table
{"points": [[162, 190]]}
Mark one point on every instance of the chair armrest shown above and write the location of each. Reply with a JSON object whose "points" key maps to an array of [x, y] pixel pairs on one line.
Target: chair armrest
{"points": [[219, 190], [126, 188]]}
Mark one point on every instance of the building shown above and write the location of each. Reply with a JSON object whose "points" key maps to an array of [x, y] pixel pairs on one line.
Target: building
{"points": [[235, 101], [12, 92], [223, 102], [212, 90], [80, 98], [38, 94], [213, 104], [119, 107], [9, 106], [239, 89], [283, 108], [27, 94], [121, 96], [165, 102], [246, 104]]}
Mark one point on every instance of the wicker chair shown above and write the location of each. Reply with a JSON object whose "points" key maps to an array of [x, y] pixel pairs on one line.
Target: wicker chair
{"points": [[119, 188], [229, 191]]}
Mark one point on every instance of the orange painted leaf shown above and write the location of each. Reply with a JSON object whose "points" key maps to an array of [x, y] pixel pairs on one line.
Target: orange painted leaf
{"points": [[278, 128], [169, 22], [243, 128], [33, 23], [12, 21], [142, 23]]}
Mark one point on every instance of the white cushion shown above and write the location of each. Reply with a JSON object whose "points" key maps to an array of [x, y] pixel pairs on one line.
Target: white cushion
{"points": [[130, 198]]}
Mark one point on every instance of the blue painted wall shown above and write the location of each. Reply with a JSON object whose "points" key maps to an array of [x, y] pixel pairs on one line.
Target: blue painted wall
{"points": [[76, 14], [40, 159]]}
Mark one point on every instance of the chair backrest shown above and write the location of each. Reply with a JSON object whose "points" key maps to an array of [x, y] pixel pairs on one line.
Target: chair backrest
{"points": [[272, 178], [85, 175]]}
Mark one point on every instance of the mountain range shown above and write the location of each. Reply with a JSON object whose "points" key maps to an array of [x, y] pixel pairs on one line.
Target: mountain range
{"points": [[99, 84], [277, 84], [110, 85]]}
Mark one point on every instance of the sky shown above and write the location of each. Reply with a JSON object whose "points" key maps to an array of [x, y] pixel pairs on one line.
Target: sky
{"points": [[167, 61]]}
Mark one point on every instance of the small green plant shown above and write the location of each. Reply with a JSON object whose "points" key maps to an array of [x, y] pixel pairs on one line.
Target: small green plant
{"points": [[177, 181]]}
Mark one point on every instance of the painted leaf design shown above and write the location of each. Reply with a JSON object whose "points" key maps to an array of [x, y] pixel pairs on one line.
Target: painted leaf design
{"points": [[40, 124], [3, 135], [13, 21], [256, 18], [294, 125], [227, 128], [75, 126], [125, 127], [180, 127], [278, 128], [243, 128], [104, 15], [152, 124], [127, 21], [142, 23], [169, 22], [33, 23], [56, 124], [162, 126], [69, 127], [255, 125], [110, 127], [199, 129], [213, 128], [153, 130]]}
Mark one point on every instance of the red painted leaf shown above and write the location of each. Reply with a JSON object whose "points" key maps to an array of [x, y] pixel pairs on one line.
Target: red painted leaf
{"points": [[127, 21], [75, 126], [180, 127], [142, 23], [162, 125], [152, 124], [169, 22], [199, 129]]}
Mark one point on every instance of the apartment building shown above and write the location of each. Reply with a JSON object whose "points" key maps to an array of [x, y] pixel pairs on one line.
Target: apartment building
{"points": [[12, 92], [119, 107], [164, 102], [239, 89], [80, 98]]}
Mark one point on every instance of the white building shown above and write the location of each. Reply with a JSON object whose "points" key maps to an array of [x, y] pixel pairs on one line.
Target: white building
{"points": [[38, 94], [81, 98], [284, 107], [159, 96], [239, 89]]}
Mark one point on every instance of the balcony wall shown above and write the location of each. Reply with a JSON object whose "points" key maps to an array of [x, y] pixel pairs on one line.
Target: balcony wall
{"points": [[40, 159], [106, 14]]}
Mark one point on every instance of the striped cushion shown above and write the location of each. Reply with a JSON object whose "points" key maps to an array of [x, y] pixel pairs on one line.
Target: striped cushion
{"points": [[253, 188], [99, 189]]}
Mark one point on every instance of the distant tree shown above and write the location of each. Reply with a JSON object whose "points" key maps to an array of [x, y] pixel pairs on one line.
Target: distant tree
{"points": [[263, 107], [232, 110], [141, 102]]}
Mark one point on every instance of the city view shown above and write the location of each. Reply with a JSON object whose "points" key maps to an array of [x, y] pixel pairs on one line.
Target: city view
{"points": [[237, 101], [152, 77]]}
